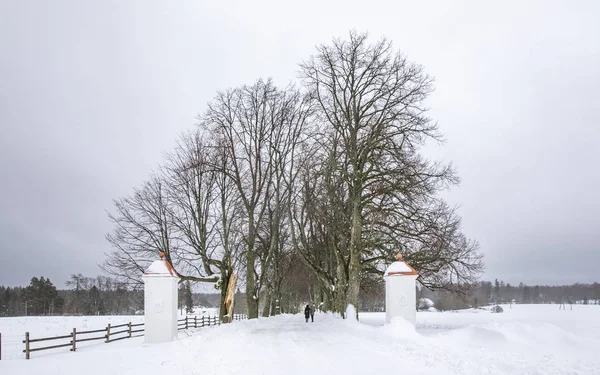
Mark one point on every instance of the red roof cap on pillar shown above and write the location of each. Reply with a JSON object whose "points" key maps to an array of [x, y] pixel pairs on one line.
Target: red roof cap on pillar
{"points": [[400, 268], [160, 268]]}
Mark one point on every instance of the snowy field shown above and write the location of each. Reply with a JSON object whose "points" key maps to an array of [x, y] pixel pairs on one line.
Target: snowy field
{"points": [[13, 330], [527, 339]]}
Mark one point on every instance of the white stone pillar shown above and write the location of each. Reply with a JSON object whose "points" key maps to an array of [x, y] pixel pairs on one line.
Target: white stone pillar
{"points": [[160, 302], [400, 291]]}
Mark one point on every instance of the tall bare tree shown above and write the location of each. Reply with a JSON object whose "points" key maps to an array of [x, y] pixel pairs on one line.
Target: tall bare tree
{"points": [[259, 126], [294, 111], [242, 121], [371, 100], [191, 184]]}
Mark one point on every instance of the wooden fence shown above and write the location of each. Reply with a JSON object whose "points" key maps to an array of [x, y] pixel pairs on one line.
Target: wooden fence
{"points": [[188, 322], [110, 334]]}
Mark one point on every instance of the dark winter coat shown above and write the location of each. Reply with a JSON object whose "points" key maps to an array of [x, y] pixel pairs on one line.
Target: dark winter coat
{"points": [[307, 311]]}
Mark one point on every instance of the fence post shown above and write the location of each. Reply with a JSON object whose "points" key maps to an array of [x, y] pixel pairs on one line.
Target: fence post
{"points": [[74, 340], [108, 333], [195, 321], [26, 345], [186, 322], [202, 321], [129, 330]]}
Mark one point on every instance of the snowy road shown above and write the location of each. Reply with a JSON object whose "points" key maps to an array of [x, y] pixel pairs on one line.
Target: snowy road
{"points": [[510, 344]]}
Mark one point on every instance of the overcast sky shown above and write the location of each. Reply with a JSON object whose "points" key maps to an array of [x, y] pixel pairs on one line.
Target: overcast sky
{"points": [[92, 93]]}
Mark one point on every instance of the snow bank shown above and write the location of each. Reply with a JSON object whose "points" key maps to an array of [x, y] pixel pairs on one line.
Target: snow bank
{"points": [[425, 304], [351, 314], [401, 328]]}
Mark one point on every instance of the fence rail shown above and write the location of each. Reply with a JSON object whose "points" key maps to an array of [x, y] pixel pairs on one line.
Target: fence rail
{"points": [[109, 335], [188, 322]]}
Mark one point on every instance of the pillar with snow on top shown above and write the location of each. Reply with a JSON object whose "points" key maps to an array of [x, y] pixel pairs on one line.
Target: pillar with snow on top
{"points": [[400, 291], [160, 302]]}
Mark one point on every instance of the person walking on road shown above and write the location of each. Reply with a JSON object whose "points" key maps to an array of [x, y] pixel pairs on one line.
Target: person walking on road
{"points": [[312, 313], [307, 310]]}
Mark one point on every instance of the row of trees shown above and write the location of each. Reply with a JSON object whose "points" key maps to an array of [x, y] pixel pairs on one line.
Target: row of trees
{"points": [[321, 184], [101, 295], [487, 292], [107, 296], [501, 292], [86, 296]]}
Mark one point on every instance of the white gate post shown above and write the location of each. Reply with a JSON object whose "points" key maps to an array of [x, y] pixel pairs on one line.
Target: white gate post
{"points": [[160, 302], [400, 291]]}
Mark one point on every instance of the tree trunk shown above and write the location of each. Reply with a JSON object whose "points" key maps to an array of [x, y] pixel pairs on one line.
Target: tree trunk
{"points": [[354, 267], [251, 298], [224, 286], [267, 303], [230, 297], [251, 293], [339, 294]]}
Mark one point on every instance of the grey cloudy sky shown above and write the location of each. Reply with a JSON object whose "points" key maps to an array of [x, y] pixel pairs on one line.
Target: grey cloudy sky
{"points": [[92, 93]]}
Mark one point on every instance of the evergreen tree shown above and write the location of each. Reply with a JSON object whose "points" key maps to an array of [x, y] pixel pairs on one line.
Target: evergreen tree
{"points": [[189, 303], [497, 290], [536, 294], [526, 294], [181, 297], [41, 296]]}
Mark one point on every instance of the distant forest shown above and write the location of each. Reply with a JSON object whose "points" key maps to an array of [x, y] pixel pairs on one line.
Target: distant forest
{"points": [[106, 296], [497, 292]]}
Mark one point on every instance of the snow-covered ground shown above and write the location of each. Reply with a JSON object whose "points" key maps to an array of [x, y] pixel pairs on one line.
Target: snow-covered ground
{"points": [[525, 339], [13, 330]]}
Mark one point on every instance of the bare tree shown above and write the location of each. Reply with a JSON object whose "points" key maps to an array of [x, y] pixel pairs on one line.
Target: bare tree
{"points": [[191, 186], [242, 121], [371, 99], [331, 176], [259, 127], [229, 214], [177, 213], [289, 134], [143, 227]]}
